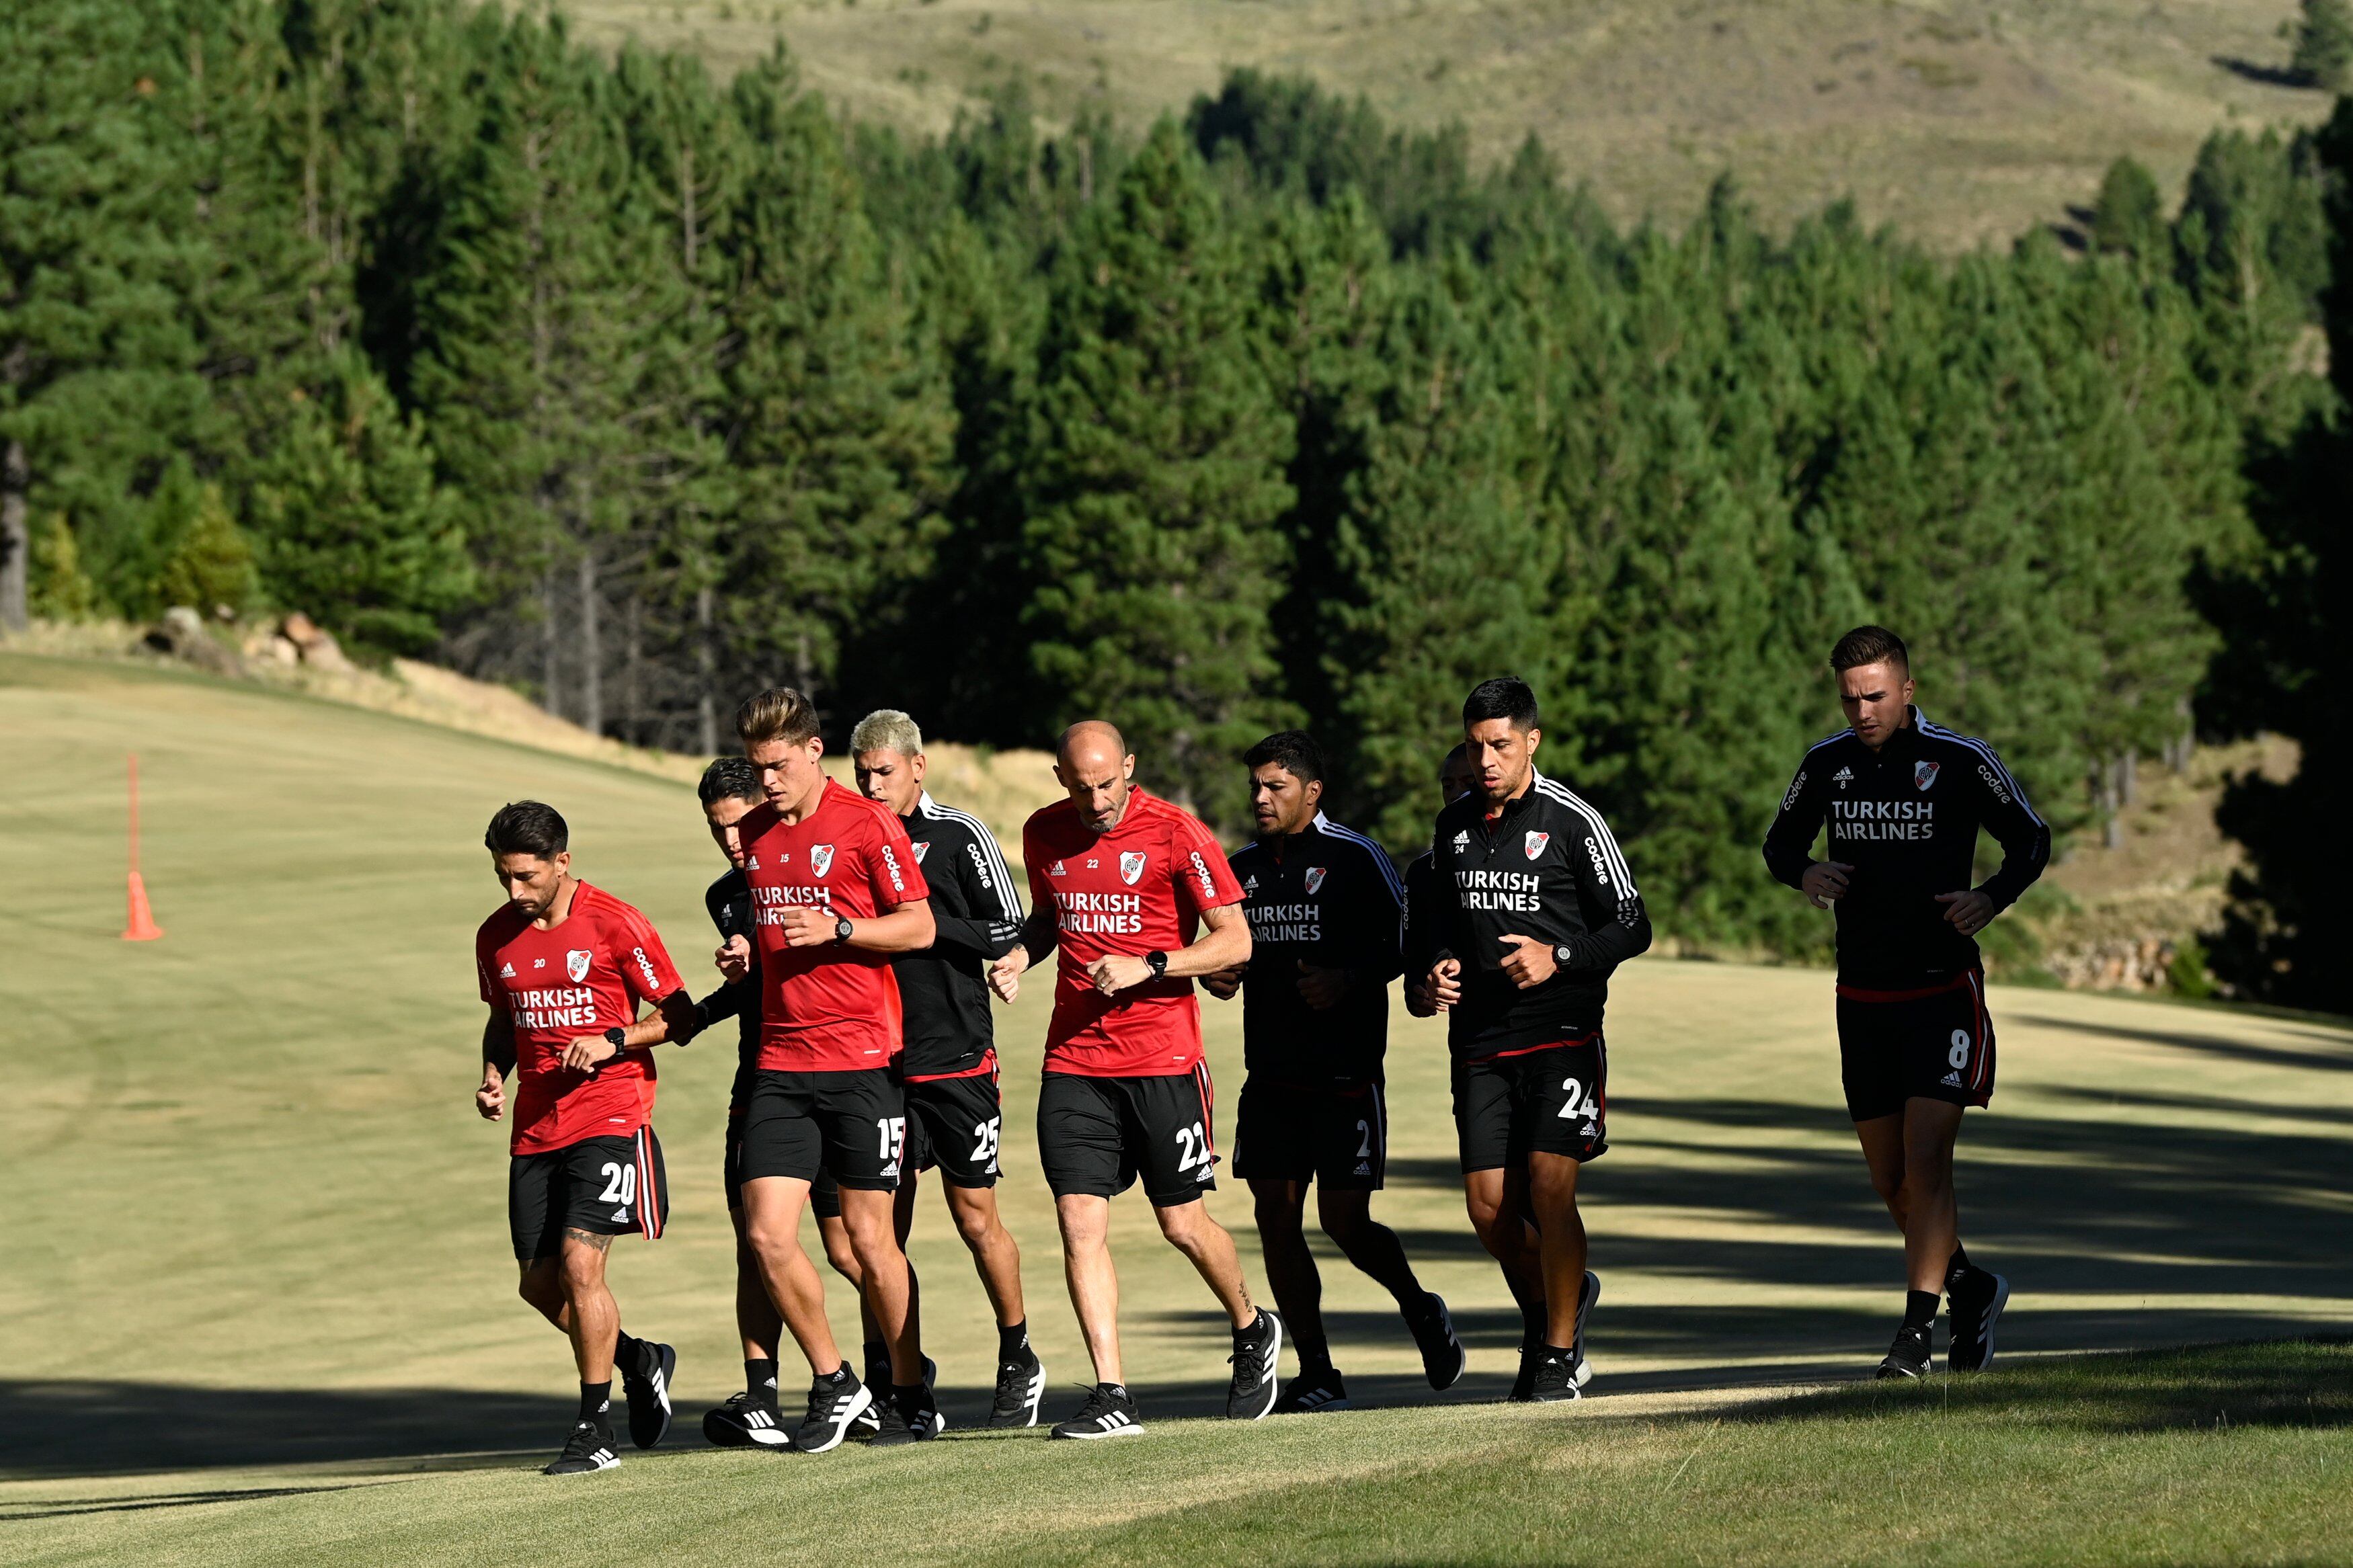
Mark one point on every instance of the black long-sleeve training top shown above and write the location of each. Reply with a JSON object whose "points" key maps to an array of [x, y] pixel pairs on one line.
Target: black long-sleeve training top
{"points": [[944, 990], [1327, 897], [1547, 867], [729, 902], [1906, 818]]}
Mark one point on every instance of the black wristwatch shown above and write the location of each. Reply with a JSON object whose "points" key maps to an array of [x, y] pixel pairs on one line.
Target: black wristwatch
{"points": [[842, 929], [617, 1037], [1562, 955], [1159, 963]]}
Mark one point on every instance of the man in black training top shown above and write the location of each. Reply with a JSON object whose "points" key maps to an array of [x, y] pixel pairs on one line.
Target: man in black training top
{"points": [[955, 1116], [1904, 800], [1324, 906], [729, 790], [1532, 908], [1455, 780]]}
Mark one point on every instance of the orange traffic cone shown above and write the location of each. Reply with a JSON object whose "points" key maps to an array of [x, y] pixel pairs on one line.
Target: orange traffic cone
{"points": [[142, 926]]}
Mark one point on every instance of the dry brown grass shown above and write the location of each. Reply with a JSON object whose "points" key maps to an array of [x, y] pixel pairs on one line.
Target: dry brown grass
{"points": [[1961, 120]]}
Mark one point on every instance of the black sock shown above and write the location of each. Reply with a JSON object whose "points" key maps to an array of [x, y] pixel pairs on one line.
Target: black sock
{"points": [[596, 1402], [760, 1381], [1919, 1309], [1533, 1324], [1957, 1265], [1559, 1353], [878, 1365], [1314, 1359], [1118, 1390], [1013, 1343], [839, 1376], [631, 1355], [908, 1397], [1257, 1329]]}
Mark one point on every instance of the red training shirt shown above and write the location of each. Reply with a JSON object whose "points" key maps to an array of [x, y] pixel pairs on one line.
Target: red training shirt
{"points": [[828, 1008], [585, 974], [1141, 887]]}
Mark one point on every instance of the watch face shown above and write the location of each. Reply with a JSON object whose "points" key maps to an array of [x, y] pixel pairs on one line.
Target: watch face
{"points": [[841, 930], [1560, 955]]}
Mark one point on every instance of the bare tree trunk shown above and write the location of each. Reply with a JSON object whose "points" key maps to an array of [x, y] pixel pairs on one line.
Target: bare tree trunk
{"points": [[16, 537], [706, 670], [2128, 778], [592, 652], [548, 649], [633, 704]]}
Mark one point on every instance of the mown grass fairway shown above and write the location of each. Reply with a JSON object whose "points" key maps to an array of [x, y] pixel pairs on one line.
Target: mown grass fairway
{"points": [[259, 1307]]}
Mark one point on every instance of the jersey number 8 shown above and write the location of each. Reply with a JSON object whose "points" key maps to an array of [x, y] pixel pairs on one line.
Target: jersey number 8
{"points": [[1959, 1055]]}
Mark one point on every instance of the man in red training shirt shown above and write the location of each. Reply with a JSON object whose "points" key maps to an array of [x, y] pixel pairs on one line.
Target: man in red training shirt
{"points": [[564, 968], [1120, 881]]}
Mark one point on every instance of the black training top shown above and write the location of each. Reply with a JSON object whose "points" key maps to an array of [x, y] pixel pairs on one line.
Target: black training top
{"points": [[944, 990], [1547, 867], [1326, 897], [1420, 940], [729, 899], [1906, 818]]}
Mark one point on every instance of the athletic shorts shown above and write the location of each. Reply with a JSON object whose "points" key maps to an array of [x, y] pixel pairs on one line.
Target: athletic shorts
{"points": [[1097, 1135], [825, 1195], [851, 1124], [1332, 1134], [1550, 1101], [1932, 1043], [954, 1123], [606, 1186]]}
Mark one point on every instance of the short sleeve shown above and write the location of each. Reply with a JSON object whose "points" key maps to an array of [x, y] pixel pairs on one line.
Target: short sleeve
{"points": [[1204, 879], [892, 873], [645, 965]]}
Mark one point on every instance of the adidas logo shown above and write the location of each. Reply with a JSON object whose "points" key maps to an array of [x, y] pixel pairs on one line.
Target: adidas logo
{"points": [[1364, 1167], [1056, 869], [506, 972], [1463, 839], [1952, 1080], [1250, 884], [892, 1169], [620, 1216], [1843, 777]]}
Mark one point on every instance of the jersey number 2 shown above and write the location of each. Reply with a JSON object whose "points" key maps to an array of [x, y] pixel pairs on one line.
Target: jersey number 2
{"points": [[1194, 1146], [620, 1185]]}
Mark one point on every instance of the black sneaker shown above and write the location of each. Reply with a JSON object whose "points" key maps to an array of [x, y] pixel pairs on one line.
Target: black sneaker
{"points": [[1442, 1355], [1976, 1299], [833, 1404], [1109, 1412], [1586, 1294], [1020, 1389], [1908, 1356], [1524, 1385], [910, 1417], [648, 1392], [1311, 1391], [1555, 1377], [1256, 1350], [589, 1448], [745, 1422]]}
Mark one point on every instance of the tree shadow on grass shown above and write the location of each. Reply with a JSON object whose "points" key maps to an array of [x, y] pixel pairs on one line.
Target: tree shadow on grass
{"points": [[2255, 71], [2283, 1383]]}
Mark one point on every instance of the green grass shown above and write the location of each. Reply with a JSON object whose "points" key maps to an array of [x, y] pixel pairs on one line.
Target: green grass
{"points": [[1962, 120], [258, 1305]]}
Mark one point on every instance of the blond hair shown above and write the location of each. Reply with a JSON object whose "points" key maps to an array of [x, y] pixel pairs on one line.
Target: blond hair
{"points": [[779, 713], [887, 730]]}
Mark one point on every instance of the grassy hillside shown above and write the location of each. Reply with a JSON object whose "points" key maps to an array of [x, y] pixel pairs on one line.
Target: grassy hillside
{"points": [[254, 1246], [1961, 120]]}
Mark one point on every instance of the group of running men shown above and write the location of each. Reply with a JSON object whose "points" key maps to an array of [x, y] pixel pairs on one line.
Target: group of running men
{"points": [[862, 932]]}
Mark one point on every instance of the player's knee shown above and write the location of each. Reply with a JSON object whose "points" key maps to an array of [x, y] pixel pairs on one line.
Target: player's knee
{"points": [[978, 1227], [1184, 1224]]}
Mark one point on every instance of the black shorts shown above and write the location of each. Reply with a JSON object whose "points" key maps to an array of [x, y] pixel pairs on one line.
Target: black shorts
{"points": [[1932, 1043], [852, 1125], [1097, 1135], [606, 1186], [1334, 1133], [955, 1124], [825, 1195], [1554, 1100]]}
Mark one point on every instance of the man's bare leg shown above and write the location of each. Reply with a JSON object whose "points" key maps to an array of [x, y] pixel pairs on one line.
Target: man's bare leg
{"points": [[1085, 1223], [993, 1253], [1291, 1273], [1560, 1242], [872, 1222], [771, 1226], [1509, 1241], [757, 1322], [1209, 1246]]}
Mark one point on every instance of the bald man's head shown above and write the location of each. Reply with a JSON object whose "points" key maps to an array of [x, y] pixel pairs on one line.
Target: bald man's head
{"points": [[1091, 763]]}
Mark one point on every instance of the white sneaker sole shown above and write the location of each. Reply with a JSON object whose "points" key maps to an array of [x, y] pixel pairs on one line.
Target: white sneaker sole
{"points": [[1591, 1293], [1133, 1429]]}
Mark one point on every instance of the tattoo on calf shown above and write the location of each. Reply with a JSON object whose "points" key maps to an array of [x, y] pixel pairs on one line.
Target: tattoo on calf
{"points": [[588, 1238]]}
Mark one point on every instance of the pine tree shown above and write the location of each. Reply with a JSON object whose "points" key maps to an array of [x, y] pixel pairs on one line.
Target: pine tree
{"points": [[2324, 43], [836, 419], [2129, 217], [211, 570], [1155, 477], [353, 528], [60, 590]]}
